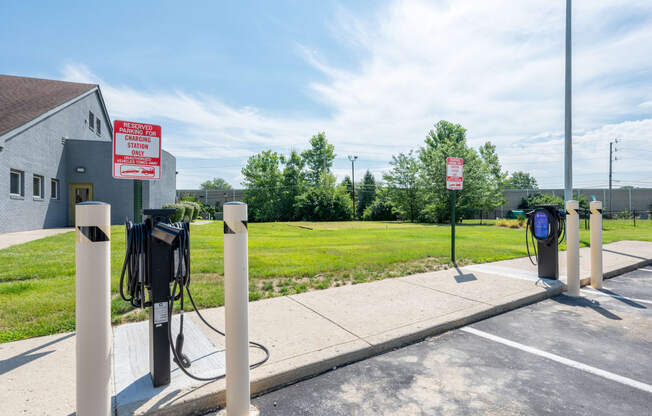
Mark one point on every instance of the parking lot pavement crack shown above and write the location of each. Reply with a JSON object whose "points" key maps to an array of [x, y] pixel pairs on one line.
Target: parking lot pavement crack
{"points": [[329, 320]]}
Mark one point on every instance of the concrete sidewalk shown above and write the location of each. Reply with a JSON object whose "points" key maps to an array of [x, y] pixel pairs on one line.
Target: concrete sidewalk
{"points": [[307, 334], [20, 237]]}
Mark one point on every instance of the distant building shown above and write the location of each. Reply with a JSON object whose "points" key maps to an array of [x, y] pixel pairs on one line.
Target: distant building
{"points": [[213, 197], [55, 151]]}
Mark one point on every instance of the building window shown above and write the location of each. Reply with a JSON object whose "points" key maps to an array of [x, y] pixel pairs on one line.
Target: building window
{"points": [[91, 120], [98, 127], [38, 187], [16, 187], [54, 188]]}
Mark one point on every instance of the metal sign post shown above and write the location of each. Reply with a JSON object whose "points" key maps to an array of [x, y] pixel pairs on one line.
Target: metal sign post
{"points": [[454, 181]]}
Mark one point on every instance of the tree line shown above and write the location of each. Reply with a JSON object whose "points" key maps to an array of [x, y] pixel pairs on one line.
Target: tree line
{"points": [[300, 186]]}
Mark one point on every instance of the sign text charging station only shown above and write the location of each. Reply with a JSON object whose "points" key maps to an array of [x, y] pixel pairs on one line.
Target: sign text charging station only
{"points": [[136, 150], [454, 181], [454, 173]]}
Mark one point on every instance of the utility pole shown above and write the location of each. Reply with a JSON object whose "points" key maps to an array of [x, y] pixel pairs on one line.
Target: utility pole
{"points": [[611, 158], [611, 152], [353, 159], [568, 142]]}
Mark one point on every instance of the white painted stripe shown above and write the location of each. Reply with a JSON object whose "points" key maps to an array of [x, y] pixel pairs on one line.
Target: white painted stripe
{"points": [[646, 270], [554, 357], [597, 292]]}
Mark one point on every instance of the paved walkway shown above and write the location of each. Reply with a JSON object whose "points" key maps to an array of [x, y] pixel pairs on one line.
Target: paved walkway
{"points": [[562, 356], [11, 239], [307, 334]]}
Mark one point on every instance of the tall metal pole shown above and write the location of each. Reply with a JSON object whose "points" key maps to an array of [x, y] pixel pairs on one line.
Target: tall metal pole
{"points": [[568, 142], [453, 226], [353, 159], [611, 152], [138, 200]]}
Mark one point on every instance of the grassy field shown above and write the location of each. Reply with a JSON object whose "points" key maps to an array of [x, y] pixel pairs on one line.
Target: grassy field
{"points": [[37, 285]]}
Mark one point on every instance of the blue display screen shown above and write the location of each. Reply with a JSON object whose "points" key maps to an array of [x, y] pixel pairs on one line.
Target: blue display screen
{"points": [[540, 224]]}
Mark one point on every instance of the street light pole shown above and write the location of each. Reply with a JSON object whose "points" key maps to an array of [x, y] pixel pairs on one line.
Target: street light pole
{"points": [[568, 142], [353, 159]]}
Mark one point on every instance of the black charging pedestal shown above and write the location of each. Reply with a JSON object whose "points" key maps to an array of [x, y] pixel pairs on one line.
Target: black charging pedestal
{"points": [[547, 230], [549, 259], [160, 266]]}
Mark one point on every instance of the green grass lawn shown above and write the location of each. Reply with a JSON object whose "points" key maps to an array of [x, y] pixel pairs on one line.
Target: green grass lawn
{"points": [[37, 285]]}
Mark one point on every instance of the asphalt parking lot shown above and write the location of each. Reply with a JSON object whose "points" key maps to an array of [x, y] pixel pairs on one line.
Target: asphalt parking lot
{"points": [[581, 356]]}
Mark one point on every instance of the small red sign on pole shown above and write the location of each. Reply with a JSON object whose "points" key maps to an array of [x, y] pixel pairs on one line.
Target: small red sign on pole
{"points": [[454, 173], [136, 150]]}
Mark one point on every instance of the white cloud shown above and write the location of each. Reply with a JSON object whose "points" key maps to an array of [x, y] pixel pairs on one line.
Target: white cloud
{"points": [[496, 67]]}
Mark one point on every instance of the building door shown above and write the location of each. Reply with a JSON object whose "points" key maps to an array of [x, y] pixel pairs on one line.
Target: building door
{"points": [[79, 192]]}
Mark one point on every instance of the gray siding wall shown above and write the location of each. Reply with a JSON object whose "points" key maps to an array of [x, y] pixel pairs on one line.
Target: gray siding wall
{"points": [[160, 192], [39, 151], [96, 158]]}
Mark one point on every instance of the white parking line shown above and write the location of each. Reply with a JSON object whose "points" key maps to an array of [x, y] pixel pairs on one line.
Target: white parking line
{"points": [[647, 270], [554, 357], [597, 292]]}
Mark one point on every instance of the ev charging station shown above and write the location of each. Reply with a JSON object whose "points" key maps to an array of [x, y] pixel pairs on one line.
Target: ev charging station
{"points": [[155, 275], [545, 230]]}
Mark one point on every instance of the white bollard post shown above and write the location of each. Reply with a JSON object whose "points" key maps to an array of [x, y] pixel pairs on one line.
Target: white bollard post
{"points": [[596, 244], [236, 301], [93, 308], [572, 248]]}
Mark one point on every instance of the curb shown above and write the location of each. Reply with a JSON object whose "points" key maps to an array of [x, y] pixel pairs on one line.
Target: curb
{"points": [[216, 400], [617, 272]]}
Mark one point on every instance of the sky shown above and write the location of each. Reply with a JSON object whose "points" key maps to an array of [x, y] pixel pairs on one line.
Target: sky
{"points": [[226, 80]]}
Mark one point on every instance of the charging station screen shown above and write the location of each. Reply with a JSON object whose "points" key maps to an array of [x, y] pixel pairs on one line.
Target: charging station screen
{"points": [[540, 225]]}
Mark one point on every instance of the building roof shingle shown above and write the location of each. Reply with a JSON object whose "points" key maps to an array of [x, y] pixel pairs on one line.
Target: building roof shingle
{"points": [[23, 99]]}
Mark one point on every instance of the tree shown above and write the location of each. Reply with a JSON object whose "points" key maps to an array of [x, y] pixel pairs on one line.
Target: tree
{"points": [[347, 185], [367, 193], [538, 198], [294, 183], [493, 179], [262, 180], [319, 158], [324, 202], [449, 140], [381, 209], [215, 183], [521, 180], [403, 185]]}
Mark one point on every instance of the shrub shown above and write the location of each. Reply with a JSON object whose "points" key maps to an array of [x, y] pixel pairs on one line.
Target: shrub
{"points": [[379, 210], [196, 208], [324, 203], [517, 223], [624, 215], [190, 211], [180, 211]]}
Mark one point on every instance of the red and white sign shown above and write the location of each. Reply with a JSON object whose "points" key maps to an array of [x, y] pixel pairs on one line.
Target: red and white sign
{"points": [[136, 150], [454, 172]]}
